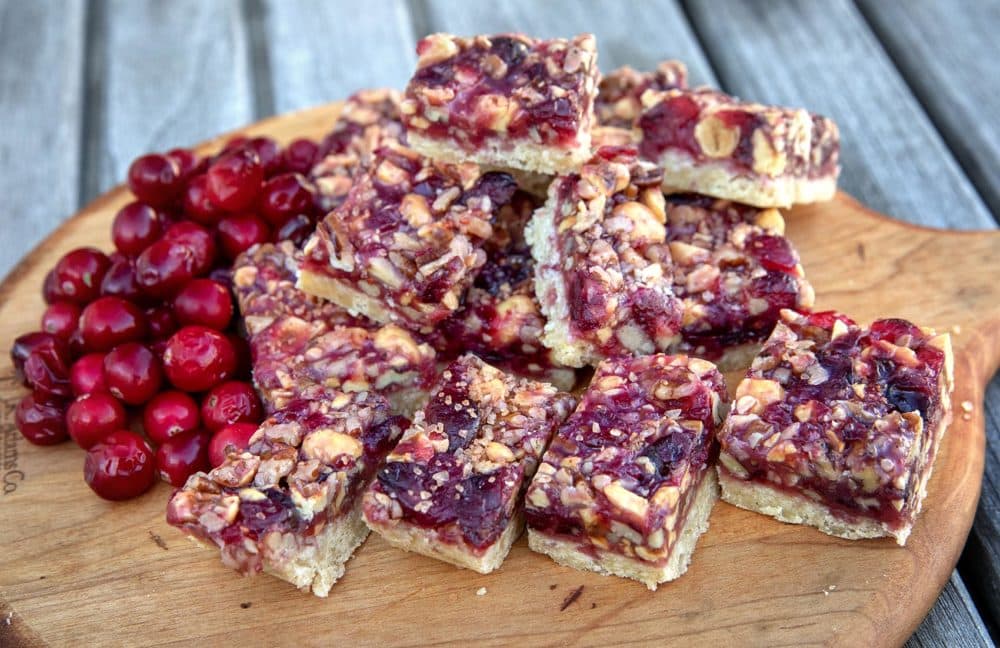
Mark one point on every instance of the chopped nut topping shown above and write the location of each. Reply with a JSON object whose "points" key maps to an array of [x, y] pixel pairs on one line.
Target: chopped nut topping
{"points": [[619, 93]]}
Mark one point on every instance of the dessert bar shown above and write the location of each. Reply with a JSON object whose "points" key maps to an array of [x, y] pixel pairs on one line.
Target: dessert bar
{"points": [[504, 101], [734, 271], [626, 487], [407, 242], [711, 143], [837, 426], [451, 489], [602, 264], [619, 94], [290, 505]]}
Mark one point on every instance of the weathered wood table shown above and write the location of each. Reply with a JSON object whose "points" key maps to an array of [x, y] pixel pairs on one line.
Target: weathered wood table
{"points": [[85, 87]]}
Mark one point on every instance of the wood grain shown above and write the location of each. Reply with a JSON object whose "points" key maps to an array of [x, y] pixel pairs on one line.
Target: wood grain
{"points": [[753, 580], [36, 40]]}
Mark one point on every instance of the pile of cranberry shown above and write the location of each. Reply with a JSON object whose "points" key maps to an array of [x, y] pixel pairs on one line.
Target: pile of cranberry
{"points": [[147, 334]]}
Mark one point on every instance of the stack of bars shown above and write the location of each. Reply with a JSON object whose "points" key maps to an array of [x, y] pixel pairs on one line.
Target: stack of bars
{"points": [[508, 223]]}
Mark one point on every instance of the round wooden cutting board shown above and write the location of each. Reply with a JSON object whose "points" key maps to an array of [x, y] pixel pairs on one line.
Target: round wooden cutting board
{"points": [[78, 570]]}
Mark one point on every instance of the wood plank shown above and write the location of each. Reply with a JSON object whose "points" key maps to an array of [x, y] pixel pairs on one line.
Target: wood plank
{"points": [[830, 591], [317, 53], [627, 33], [952, 622], [943, 50], [894, 161], [171, 74], [41, 101], [828, 60]]}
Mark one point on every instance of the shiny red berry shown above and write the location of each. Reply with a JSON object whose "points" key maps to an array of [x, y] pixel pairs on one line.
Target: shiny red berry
{"points": [[86, 376], [204, 302], [132, 373], [300, 156], [170, 413], [234, 437], [164, 267], [241, 231], [92, 417], [60, 319], [155, 179], [46, 370], [120, 281], [233, 401], [109, 321], [268, 152], [25, 344], [120, 467], [135, 228], [198, 239], [187, 162], [197, 206], [161, 323], [77, 276], [181, 456], [235, 179], [197, 358], [284, 196], [296, 229], [42, 421]]}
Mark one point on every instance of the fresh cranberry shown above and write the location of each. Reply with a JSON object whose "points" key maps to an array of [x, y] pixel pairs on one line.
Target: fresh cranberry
{"points": [[170, 413], [233, 401], [50, 288], [92, 417], [182, 456], [160, 322], [41, 420], [197, 205], [46, 369], [186, 161], [78, 275], [60, 319], [110, 321], [86, 376], [199, 239], [164, 267], [300, 156], [268, 152], [296, 229], [204, 302], [235, 179], [76, 346], [120, 467], [241, 231], [235, 437], [120, 281], [285, 196], [135, 228], [25, 344], [132, 373], [234, 144], [155, 179], [197, 358]]}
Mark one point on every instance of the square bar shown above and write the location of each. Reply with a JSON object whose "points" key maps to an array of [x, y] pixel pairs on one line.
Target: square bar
{"points": [[407, 242], [711, 143], [627, 486], [837, 426], [503, 101], [602, 264], [451, 489]]}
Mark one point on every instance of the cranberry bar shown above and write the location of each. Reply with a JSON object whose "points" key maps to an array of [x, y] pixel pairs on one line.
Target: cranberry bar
{"points": [[619, 94], [368, 119], [503, 101], [626, 487], [837, 426], [602, 264], [734, 271], [501, 321], [290, 505], [298, 340], [714, 144], [407, 242], [451, 489]]}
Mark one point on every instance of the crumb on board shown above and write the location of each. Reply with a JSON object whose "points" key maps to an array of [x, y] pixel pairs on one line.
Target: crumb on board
{"points": [[956, 329], [966, 406], [246, 605], [571, 598], [158, 540], [481, 591], [552, 587]]}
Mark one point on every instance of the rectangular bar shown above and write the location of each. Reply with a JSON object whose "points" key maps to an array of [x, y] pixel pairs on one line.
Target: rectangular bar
{"points": [[711, 143], [451, 489], [503, 101], [734, 271], [289, 506], [602, 264], [619, 94], [837, 426], [407, 242], [627, 486]]}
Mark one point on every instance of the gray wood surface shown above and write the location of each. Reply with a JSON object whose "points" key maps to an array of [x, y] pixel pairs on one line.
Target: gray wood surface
{"points": [[40, 123], [96, 84]]}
